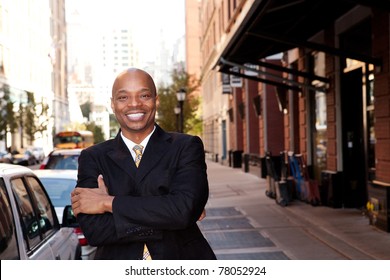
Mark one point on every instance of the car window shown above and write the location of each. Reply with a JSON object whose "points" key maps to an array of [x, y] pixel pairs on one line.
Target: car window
{"points": [[37, 222], [62, 162], [29, 220], [8, 245], [59, 190], [47, 220]]}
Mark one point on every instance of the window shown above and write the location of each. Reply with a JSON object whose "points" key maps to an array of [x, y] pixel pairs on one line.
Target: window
{"points": [[47, 217], [371, 141], [28, 218], [37, 217], [318, 113], [8, 246]]}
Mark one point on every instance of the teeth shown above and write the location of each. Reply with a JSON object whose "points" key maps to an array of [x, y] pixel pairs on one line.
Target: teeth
{"points": [[135, 116]]}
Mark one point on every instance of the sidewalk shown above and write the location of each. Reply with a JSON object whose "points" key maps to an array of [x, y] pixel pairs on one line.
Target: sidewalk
{"points": [[243, 223]]}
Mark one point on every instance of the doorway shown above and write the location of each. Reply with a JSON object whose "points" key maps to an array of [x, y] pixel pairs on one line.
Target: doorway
{"points": [[354, 193]]}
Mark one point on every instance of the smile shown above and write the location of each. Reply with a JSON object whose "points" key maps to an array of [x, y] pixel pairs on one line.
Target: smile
{"points": [[135, 117]]}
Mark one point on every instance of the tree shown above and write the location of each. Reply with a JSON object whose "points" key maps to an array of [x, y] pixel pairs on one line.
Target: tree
{"points": [[98, 134], [42, 117], [27, 115], [33, 117], [166, 117], [8, 122], [114, 126], [86, 109]]}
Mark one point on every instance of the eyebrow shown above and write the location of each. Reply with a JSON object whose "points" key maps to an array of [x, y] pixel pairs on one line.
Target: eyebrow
{"points": [[124, 90]]}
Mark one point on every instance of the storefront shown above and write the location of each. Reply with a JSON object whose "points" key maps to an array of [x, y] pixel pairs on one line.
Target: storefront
{"points": [[332, 89]]}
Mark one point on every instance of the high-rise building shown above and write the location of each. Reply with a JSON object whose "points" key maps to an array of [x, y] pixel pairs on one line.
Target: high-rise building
{"points": [[33, 60]]}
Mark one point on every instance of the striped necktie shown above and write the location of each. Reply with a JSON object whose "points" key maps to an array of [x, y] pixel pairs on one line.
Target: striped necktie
{"points": [[138, 155]]}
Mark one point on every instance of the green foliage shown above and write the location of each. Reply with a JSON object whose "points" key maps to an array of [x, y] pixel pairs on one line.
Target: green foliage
{"points": [[27, 115], [98, 134], [33, 117], [7, 117], [114, 126], [86, 109], [166, 117], [42, 117]]}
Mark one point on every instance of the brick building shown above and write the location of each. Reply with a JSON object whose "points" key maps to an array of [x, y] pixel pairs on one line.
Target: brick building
{"points": [[311, 77]]}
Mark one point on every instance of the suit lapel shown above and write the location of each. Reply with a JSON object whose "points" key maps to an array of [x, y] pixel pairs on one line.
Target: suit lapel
{"points": [[155, 150], [121, 156]]}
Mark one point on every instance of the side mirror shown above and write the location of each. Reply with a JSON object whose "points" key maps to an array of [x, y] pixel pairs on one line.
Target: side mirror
{"points": [[68, 218]]}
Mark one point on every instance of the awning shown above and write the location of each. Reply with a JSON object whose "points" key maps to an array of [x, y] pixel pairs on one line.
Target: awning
{"points": [[275, 26]]}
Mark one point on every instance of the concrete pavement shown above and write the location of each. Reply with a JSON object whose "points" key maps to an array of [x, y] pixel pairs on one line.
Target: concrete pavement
{"points": [[243, 223]]}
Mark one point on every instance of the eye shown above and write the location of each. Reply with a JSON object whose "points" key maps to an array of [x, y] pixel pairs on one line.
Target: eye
{"points": [[145, 96], [121, 98]]}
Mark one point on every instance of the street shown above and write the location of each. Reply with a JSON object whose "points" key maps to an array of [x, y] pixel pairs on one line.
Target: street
{"points": [[243, 223]]}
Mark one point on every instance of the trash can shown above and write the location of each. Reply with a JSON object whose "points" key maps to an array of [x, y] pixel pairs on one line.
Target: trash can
{"points": [[263, 167], [237, 159], [282, 193], [246, 163], [272, 176], [331, 189]]}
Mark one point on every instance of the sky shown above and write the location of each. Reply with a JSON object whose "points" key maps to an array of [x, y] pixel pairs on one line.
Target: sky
{"points": [[149, 18]]}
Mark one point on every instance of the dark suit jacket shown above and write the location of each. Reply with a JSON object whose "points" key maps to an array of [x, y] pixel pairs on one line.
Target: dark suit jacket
{"points": [[157, 203]]}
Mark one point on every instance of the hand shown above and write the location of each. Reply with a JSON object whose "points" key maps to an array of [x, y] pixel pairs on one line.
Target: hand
{"points": [[203, 215], [92, 201]]}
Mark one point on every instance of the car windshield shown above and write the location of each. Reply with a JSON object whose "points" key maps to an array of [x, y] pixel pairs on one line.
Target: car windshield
{"points": [[63, 162], [59, 190]]}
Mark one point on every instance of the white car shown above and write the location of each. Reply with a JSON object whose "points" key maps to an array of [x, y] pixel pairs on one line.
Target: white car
{"points": [[62, 159], [59, 184], [29, 227], [38, 153]]}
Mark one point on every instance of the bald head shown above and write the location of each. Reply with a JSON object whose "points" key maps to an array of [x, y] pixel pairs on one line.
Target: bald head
{"points": [[132, 76]]}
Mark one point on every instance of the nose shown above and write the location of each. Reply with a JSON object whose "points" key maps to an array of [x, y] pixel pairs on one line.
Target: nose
{"points": [[134, 101]]}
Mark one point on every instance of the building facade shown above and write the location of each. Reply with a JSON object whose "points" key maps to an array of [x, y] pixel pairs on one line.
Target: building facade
{"points": [[32, 60], [307, 77]]}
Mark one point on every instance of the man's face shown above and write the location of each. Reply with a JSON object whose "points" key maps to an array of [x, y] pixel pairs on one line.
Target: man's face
{"points": [[134, 102]]}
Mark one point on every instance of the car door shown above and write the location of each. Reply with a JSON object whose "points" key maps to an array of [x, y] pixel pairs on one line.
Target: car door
{"points": [[63, 242], [8, 240], [34, 245]]}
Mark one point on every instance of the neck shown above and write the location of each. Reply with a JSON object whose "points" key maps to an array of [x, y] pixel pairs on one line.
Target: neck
{"points": [[138, 136]]}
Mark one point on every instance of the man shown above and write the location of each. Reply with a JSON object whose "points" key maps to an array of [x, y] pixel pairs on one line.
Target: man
{"points": [[128, 211]]}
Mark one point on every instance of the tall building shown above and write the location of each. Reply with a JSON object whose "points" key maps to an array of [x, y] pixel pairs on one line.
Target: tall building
{"points": [[192, 38], [33, 60], [58, 56], [99, 50]]}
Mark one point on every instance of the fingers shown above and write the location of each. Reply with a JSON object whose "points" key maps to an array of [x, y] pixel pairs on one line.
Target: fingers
{"points": [[102, 186], [75, 210]]}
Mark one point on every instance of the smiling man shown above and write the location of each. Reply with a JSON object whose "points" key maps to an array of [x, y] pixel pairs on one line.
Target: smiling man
{"points": [[139, 196]]}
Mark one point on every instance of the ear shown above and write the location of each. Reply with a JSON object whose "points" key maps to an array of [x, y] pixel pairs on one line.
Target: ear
{"points": [[112, 105], [157, 101]]}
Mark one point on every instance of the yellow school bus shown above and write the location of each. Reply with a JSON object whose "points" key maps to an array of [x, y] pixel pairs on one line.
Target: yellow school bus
{"points": [[73, 139]]}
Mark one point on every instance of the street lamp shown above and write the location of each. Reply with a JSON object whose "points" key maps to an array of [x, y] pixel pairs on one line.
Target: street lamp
{"points": [[181, 96], [177, 111]]}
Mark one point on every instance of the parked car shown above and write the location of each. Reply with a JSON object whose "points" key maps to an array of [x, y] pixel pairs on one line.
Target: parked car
{"points": [[28, 222], [5, 157], [62, 159], [25, 158], [38, 153], [59, 184]]}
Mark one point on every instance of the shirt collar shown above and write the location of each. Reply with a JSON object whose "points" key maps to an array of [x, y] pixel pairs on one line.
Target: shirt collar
{"points": [[130, 144]]}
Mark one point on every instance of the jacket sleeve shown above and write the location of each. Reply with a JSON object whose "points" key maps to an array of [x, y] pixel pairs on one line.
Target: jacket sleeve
{"points": [[182, 205], [100, 229]]}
